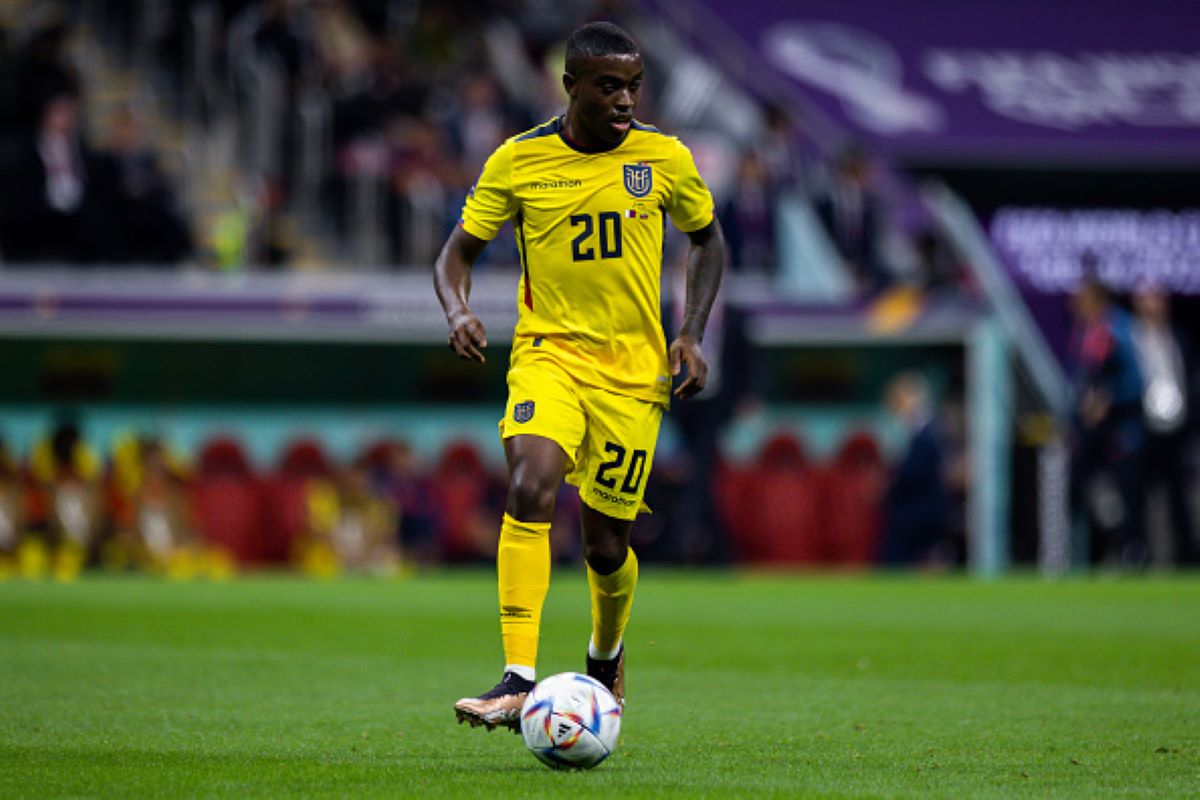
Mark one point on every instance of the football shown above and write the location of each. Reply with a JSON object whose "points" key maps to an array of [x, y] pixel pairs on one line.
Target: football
{"points": [[570, 721]]}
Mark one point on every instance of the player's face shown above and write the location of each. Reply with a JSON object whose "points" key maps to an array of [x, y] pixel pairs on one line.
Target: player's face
{"points": [[604, 96]]}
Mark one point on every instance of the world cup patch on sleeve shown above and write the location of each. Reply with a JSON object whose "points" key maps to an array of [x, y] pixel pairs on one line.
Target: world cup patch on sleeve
{"points": [[639, 179], [523, 412]]}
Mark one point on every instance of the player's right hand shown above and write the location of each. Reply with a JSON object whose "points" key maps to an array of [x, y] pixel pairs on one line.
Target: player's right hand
{"points": [[467, 336]]}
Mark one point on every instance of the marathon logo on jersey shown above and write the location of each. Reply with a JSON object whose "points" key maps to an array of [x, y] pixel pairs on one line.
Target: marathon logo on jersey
{"points": [[556, 183], [639, 179], [523, 412]]}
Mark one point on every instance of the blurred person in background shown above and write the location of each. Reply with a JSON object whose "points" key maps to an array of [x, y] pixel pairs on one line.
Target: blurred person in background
{"points": [[150, 227], [152, 514], [1109, 433], [1165, 362], [747, 217], [58, 199], [852, 211], [38, 69], [916, 508], [66, 474], [12, 509], [590, 372], [397, 476], [363, 531]]}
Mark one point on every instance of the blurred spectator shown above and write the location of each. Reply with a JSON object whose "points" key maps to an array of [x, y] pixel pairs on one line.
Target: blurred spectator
{"points": [[1109, 435], [154, 526], [936, 264], [746, 217], [59, 192], [69, 506], [780, 153], [852, 211], [696, 531], [422, 177], [479, 125], [915, 505], [38, 70], [397, 477], [12, 509], [1165, 362], [363, 532], [151, 228]]}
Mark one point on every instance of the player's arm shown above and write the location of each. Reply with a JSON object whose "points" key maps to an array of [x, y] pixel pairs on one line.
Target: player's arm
{"points": [[705, 264], [452, 280], [489, 204]]}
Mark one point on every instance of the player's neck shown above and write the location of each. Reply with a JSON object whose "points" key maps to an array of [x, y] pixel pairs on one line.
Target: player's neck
{"points": [[577, 137]]}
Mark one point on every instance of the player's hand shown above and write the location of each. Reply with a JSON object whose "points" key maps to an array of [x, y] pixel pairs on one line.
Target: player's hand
{"points": [[467, 336], [685, 352]]}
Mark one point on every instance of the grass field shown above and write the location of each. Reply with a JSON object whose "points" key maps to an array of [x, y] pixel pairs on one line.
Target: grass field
{"points": [[739, 685]]}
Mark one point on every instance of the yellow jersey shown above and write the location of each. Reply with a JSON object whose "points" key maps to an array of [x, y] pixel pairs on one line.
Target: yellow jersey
{"points": [[589, 229]]}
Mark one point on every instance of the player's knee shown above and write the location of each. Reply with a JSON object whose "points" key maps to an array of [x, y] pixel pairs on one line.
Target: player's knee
{"points": [[531, 497], [605, 555]]}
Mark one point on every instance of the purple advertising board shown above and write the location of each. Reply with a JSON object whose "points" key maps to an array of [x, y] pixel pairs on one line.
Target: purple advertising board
{"points": [[944, 80]]}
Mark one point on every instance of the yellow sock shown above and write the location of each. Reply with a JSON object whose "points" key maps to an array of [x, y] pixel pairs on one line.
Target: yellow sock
{"points": [[523, 568], [612, 599]]}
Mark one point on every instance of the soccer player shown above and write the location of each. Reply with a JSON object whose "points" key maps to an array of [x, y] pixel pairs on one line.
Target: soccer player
{"points": [[590, 373]]}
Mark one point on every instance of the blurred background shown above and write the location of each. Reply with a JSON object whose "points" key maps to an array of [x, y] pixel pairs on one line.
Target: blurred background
{"points": [[956, 331]]}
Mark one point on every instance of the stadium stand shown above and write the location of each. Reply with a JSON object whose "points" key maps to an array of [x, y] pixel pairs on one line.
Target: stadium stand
{"points": [[318, 152]]}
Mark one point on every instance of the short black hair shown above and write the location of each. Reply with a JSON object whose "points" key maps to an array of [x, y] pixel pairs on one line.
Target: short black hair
{"points": [[596, 40]]}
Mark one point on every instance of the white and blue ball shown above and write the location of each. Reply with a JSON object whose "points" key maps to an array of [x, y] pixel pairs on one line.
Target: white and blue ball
{"points": [[571, 721]]}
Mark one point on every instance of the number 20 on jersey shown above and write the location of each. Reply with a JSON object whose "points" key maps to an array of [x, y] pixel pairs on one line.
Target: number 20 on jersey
{"points": [[599, 236]]}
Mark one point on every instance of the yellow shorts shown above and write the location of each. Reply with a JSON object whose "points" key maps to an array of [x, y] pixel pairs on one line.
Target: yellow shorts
{"points": [[608, 438]]}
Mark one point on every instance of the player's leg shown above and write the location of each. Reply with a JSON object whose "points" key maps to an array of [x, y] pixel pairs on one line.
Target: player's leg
{"points": [[523, 557], [523, 571], [612, 571], [612, 467], [542, 424]]}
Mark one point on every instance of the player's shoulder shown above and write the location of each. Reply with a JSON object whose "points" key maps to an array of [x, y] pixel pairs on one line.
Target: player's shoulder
{"points": [[650, 136], [549, 128], [653, 144], [642, 127]]}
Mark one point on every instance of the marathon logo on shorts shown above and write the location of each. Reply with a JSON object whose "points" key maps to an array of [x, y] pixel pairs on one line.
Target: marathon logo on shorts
{"points": [[612, 498], [523, 412], [639, 179]]}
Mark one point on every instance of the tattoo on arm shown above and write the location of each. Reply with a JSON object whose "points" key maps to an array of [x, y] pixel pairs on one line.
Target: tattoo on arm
{"points": [[705, 264]]}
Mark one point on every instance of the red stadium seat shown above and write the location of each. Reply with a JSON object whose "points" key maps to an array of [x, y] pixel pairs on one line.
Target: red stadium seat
{"points": [[227, 499], [304, 459], [778, 508], [377, 454], [223, 456], [285, 497], [460, 496], [853, 488], [228, 512]]}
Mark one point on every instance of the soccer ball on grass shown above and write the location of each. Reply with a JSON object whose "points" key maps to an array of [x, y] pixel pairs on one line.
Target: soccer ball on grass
{"points": [[570, 721]]}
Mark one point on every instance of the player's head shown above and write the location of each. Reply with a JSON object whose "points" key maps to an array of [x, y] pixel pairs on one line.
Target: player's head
{"points": [[603, 78]]}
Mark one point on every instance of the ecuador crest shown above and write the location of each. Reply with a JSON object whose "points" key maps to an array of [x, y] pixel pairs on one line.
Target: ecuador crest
{"points": [[639, 179], [523, 412]]}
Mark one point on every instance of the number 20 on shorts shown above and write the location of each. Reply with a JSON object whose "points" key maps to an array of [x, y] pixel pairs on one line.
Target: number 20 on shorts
{"points": [[633, 474]]}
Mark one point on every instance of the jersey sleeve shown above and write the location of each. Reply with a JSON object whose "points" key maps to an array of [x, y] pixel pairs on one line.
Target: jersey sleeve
{"points": [[690, 204], [491, 201]]}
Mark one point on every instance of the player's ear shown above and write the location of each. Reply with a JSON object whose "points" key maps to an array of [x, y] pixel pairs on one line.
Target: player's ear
{"points": [[569, 83]]}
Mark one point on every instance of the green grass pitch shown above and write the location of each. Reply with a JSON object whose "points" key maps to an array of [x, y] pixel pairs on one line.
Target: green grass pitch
{"points": [[739, 685]]}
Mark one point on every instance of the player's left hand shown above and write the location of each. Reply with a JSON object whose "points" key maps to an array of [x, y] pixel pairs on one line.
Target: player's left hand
{"points": [[685, 352]]}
